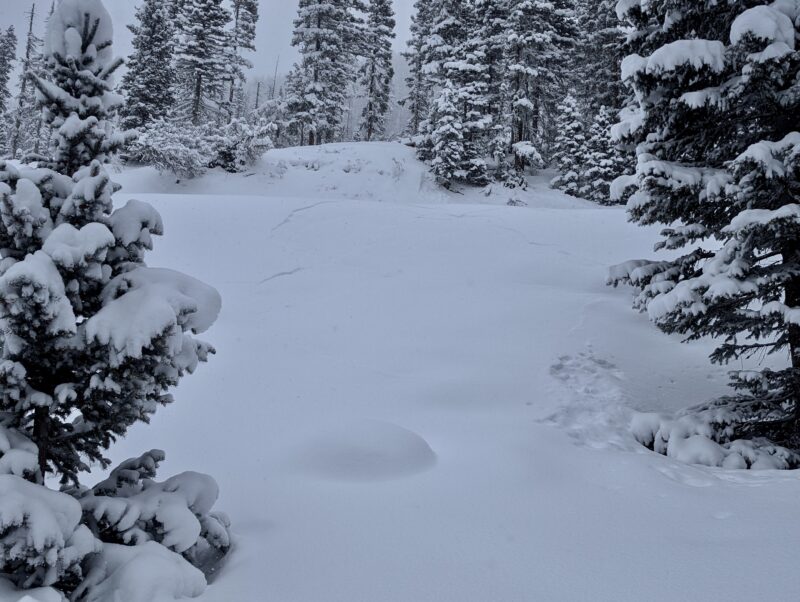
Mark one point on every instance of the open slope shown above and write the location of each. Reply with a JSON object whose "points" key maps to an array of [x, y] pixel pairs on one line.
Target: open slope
{"points": [[424, 396]]}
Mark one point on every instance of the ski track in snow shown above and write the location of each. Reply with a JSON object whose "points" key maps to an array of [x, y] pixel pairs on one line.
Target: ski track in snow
{"points": [[281, 275], [295, 212]]}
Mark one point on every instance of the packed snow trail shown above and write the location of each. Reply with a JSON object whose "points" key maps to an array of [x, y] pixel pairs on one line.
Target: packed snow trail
{"points": [[426, 398]]}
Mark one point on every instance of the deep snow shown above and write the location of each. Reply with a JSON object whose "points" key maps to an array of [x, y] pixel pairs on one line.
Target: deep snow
{"points": [[425, 396]]}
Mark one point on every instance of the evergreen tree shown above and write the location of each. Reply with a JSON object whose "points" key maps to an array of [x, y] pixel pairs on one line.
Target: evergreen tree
{"points": [[377, 71], [79, 269], [8, 54], [447, 138], [456, 58], [243, 39], [25, 131], [92, 342], [716, 123], [8, 51], [327, 35], [201, 59], [77, 96], [569, 147], [147, 85], [603, 160], [541, 36], [492, 37], [418, 101], [599, 53]]}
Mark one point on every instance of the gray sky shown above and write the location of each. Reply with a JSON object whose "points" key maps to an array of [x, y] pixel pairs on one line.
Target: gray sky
{"points": [[274, 28]]}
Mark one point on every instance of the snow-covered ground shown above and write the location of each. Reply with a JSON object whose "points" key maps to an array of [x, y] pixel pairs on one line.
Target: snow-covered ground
{"points": [[424, 396]]}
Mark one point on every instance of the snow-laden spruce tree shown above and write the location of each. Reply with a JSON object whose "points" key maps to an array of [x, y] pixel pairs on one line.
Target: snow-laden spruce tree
{"points": [[447, 138], [76, 93], [92, 342], [492, 38], [569, 147], [8, 52], [25, 128], [377, 70], [329, 38], [716, 122], [599, 52], [603, 160], [201, 60], [418, 81], [457, 67], [8, 55], [147, 85], [541, 37]]}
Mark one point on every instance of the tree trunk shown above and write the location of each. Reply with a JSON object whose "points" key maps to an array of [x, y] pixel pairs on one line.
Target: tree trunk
{"points": [[41, 436], [198, 89], [791, 255]]}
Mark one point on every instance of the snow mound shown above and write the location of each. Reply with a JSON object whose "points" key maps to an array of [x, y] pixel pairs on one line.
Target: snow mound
{"points": [[366, 451], [379, 172], [147, 573]]}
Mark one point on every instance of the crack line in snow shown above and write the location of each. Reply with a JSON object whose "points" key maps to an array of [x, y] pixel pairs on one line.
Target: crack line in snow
{"points": [[281, 275], [300, 210]]}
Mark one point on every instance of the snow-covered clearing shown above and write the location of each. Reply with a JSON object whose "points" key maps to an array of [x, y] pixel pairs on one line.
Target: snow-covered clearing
{"points": [[423, 396]]}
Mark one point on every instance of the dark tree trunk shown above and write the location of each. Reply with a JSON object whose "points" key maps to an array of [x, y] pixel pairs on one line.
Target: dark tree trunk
{"points": [[41, 436], [196, 101], [791, 256]]}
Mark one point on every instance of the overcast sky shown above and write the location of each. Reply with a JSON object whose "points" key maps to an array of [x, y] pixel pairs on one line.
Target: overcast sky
{"points": [[274, 28]]}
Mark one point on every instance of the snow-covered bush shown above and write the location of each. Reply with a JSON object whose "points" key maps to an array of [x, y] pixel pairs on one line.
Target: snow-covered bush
{"points": [[240, 145], [707, 435], [130, 507], [172, 147], [189, 151], [526, 154]]}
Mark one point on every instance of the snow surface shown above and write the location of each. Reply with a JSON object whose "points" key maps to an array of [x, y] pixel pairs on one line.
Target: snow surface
{"points": [[426, 396]]}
